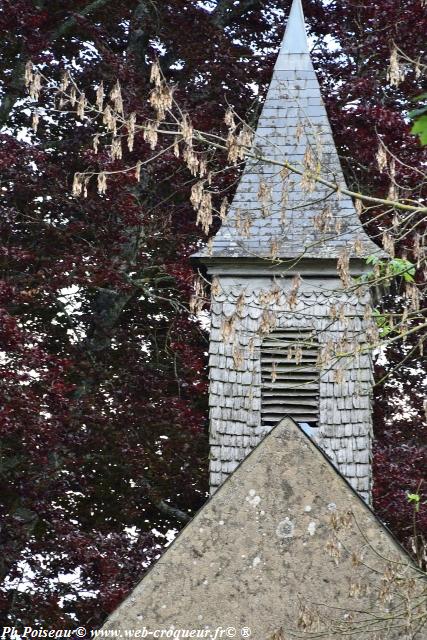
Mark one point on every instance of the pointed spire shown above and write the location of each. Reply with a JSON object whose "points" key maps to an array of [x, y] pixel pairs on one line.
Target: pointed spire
{"points": [[270, 215], [294, 52], [295, 40]]}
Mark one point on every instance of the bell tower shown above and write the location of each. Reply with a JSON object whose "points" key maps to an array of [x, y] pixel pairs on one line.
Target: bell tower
{"points": [[288, 331]]}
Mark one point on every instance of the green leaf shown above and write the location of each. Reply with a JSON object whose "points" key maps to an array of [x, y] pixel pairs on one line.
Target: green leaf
{"points": [[382, 323], [394, 268], [420, 128], [402, 267], [414, 498]]}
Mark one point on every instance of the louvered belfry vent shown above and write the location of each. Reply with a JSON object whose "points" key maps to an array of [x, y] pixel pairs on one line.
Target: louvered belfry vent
{"points": [[290, 378]]}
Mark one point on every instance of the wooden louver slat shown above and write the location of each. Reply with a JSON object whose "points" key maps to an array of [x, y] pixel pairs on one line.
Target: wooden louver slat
{"points": [[288, 387]]}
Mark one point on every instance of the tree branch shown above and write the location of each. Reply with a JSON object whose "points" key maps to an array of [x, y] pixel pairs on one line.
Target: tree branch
{"points": [[160, 504], [16, 85], [14, 91], [71, 22], [227, 10], [138, 34]]}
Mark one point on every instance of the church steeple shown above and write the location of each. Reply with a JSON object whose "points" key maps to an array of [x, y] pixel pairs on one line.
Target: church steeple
{"points": [[277, 216], [267, 342]]}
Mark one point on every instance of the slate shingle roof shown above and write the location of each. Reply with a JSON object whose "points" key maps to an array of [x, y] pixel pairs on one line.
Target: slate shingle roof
{"points": [[293, 118]]}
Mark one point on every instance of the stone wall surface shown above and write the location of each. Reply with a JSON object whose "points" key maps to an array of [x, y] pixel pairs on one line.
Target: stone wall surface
{"points": [[282, 537]]}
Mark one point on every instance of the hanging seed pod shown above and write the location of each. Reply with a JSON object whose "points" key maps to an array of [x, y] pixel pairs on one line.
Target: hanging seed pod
{"points": [[358, 205], [100, 95], [223, 209], [395, 73], [81, 106], [388, 243], [204, 213], [29, 73], [77, 184], [102, 183], [85, 186], [65, 82], [187, 130], [96, 143], [176, 148], [73, 97], [381, 158], [131, 131], [150, 134], [35, 121], [138, 171], [197, 194], [116, 98], [293, 293], [229, 119], [116, 151], [274, 248], [155, 75], [343, 265], [35, 86]]}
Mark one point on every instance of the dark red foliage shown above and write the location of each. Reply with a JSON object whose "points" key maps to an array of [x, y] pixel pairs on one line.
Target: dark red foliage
{"points": [[103, 416]]}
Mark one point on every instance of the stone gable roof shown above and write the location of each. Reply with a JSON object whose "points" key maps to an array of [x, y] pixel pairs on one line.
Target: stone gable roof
{"points": [[293, 120], [285, 531]]}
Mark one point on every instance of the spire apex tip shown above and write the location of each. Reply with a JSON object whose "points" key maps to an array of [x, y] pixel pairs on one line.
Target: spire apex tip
{"points": [[295, 40]]}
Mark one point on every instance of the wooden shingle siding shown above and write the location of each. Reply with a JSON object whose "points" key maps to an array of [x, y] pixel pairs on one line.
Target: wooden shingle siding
{"points": [[344, 407]]}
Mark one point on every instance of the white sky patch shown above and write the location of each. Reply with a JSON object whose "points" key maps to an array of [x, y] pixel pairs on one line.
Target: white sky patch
{"points": [[379, 356], [280, 13], [168, 537], [70, 298], [25, 581], [178, 65], [5, 359], [255, 88], [353, 104], [145, 346], [208, 5], [89, 52], [332, 43], [132, 533], [25, 134], [204, 320], [159, 46], [32, 376], [126, 26]]}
